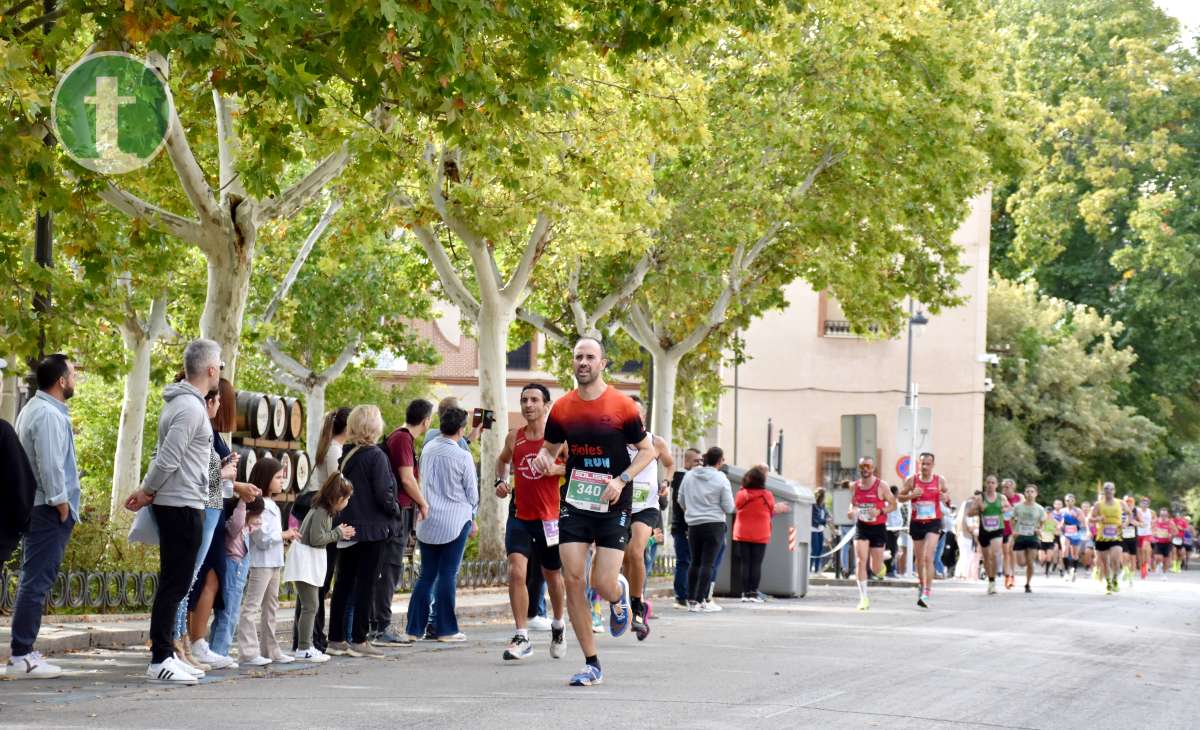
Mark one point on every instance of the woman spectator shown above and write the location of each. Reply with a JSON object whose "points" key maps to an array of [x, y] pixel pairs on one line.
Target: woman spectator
{"points": [[752, 529], [820, 518], [451, 490], [706, 497], [325, 464], [372, 511]]}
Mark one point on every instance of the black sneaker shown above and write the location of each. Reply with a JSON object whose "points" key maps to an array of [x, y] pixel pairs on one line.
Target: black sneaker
{"points": [[429, 635], [1028, 589], [641, 629], [558, 642]]}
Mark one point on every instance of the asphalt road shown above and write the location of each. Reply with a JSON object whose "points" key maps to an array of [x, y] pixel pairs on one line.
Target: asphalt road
{"points": [[1064, 656]]}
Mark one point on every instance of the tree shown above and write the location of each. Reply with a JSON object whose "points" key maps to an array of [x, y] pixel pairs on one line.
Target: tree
{"points": [[1055, 415]]}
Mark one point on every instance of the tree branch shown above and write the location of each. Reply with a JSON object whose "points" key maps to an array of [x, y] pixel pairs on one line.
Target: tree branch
{"points": [[159, 327], [292, 200], [539, 237], [631, 284], [301, 256], [191, 177], [284, 361], [582, 321], [486, 271], [161, 220], [228, 148], [638, 325], [342, 362], [543, 325], [452, 283]]}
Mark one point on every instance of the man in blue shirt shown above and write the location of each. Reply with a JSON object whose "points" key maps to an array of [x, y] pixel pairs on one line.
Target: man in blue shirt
{"points": [[44, 429]]}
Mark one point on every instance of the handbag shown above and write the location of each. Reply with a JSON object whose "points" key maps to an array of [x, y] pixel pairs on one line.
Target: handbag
{"points": [[144, 528], [304, 564]]}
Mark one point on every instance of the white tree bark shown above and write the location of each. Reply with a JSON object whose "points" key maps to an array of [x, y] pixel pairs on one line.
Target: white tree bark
{"points": [[493, 327], [225, 299], [291, 373]]}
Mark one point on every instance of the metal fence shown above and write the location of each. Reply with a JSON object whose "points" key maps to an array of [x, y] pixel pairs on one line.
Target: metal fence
{"points": [[113, 592]]}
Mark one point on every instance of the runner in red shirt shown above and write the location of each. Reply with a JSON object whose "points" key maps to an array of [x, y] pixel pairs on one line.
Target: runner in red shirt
{"points": [[925, 490], [870, 501], [533, 527]]}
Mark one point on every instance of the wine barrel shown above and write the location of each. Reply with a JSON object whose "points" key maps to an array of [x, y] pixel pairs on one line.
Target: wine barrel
{"points": [[295, 418], [301, 469], [253, 414], [285, 459], [247, 458], [278, 417]]}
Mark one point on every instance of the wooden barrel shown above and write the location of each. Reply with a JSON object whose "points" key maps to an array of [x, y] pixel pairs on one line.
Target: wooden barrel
{"points": [[253, 414], [247, 458], [295, 418], [301, 470], [278, 417], [285, 459]]}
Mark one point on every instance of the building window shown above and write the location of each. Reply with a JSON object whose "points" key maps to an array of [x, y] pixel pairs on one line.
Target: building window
{"points": [[521, 358], [631, 366], [829, 467], [832, 320]]}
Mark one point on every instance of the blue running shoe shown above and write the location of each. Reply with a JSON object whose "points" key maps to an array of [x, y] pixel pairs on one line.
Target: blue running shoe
{"points": [[588, 677], [619, 612]]}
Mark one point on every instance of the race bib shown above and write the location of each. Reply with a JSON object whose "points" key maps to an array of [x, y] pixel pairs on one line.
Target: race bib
{"points": [[550, 530], [1177, 541], [1161, 534], [867, 512], [641, 492], [1109, 532], [926, 511], [1070, 530], [1128, 532], [991, 523], [585, 490], [1026, 530]]}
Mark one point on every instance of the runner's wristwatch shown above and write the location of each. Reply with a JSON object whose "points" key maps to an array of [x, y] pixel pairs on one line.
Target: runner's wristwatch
{"points": [[625, 477]]}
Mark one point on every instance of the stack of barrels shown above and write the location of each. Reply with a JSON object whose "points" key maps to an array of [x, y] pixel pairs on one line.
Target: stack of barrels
{"points": [[271, 425]]}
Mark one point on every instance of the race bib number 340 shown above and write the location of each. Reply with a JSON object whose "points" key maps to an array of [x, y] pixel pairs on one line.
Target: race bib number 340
{"points": [[585, 490]]}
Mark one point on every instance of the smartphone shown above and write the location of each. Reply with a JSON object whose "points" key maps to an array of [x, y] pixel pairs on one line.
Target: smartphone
{"points": [[484, 417]]}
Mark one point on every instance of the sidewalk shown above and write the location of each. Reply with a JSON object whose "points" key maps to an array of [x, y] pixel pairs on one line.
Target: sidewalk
{"points": [[61, 634]]}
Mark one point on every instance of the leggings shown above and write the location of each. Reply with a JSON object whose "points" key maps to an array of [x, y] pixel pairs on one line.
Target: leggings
{"points": [[704, 540], [308, 614], [752, 557]]}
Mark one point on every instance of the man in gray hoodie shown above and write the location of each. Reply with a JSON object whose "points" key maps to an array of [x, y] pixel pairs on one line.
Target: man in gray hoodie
{"points": [[175, 488], [706, 497]]}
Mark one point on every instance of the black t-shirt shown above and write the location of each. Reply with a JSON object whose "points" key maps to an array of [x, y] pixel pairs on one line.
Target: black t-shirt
{"points": [[598, 434]]}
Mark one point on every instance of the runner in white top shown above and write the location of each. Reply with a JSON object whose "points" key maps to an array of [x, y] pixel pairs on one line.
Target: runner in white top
{"points": [[1144, 521], [647, 488]]}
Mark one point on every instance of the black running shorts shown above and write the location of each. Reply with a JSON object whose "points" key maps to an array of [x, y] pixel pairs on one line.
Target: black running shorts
{"points": [[1026, 542], [920, 528], [606, 529], [1129, 544], [1106, 545], [986, 536], [1163, 549], [876, 535], [1049, 545], [650, 517], [527, 537]]}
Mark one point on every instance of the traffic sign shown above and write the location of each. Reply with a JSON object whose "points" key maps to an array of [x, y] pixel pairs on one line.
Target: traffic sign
{"points": [[904, 466]]}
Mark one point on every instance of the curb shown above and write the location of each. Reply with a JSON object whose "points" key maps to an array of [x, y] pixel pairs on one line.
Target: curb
{"points": [[850, 583]]}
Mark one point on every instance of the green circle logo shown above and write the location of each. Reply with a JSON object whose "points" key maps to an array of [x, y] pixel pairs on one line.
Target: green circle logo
{"points": [[112, 112]]}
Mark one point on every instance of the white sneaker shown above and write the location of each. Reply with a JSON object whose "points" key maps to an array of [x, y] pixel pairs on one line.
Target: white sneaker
{"points": [[539, 623], [313, 655], [283, 659], [202, 653], [710, 607], [31, 666], [693, 607], [257, 661], [183, 666], [170, 671], [216, 661], [453, 638]]}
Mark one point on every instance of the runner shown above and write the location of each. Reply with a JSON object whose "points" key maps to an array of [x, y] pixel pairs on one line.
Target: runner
{"points": [[1181, 528], [1145, 535], [1027, 520], [1072, 530], [871, 501], [1048, 535], [990, 507], [646, 518], [1108, 516], [925, 490], [598, 423], [1008, 488], [1188, 538], [1088, 549], [1164, 530], [532, 530], [1128, 540]]}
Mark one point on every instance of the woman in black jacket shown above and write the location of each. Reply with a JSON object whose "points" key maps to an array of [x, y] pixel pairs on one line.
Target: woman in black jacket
{"points": [[373, 513]]}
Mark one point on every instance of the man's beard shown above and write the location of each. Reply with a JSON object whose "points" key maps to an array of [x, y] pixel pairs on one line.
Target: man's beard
{"points": [[68, 393]]}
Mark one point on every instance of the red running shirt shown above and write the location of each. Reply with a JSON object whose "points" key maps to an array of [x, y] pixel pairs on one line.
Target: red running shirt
{"points": [[927, 505], [537, 493], [868, 502]]}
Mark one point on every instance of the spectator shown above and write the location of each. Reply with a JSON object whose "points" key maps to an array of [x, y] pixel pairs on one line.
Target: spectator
{"points": [[451, 488], [752, 529], [257, 643], [175, 488], [329, 453], [372, 512], [44, 430], [17, 485], [820, 518], [895, 549], [444, 406], [683, 553], [706, 498], [947, 527], [403, 460], [244, 519], [306, 560]]}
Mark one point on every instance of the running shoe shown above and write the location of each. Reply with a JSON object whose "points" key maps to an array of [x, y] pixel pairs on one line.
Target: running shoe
{"points": [[693, 607], [1028, 589], [311, 655], [558, 642], [539, 623], [991, 588], [619, 613], [710, 607], [518, 648], [589, 676], [754, 598], [1116, 586], [32, 666], [641, 629], [169, 671], [262, 661], [864, 603], [921, 600], [453, 638]]}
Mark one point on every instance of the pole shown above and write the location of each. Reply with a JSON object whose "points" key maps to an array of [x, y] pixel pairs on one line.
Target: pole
{"points": [[912, 468], [908, 389], [736, 395]]}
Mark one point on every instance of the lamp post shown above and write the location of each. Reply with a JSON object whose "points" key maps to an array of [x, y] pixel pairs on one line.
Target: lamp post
{"points": [[916, 325]]}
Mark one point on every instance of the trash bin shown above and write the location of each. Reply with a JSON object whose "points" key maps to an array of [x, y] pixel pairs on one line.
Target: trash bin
{"points": [[785, 564]]}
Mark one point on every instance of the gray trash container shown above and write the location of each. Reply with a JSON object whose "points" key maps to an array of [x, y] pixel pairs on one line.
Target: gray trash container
{"points": [[785, 564]]}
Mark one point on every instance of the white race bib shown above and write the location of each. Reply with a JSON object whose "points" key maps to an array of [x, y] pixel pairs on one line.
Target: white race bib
{"points": [[926, 511], [585, 490], [550, 530], [991, 523]]}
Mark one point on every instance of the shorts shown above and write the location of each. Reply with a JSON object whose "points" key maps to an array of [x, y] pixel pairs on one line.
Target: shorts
{"points": [[1008, 538], [650, 517], [1163, 549], [920, 528], [876, 535], [608, 529], [1129, 544], [528, 538], [986, 536], [1106, 545], [1026, 542], [1144, 539], [1048, 545]]}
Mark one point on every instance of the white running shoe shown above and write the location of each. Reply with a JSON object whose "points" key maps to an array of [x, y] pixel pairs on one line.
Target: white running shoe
{"points": [[170, 671], [710, 607], [453, 638], [31, 666], [539, 623], [189, 668], [257, 661], [204, 653], [311, 654], [283, 659]]}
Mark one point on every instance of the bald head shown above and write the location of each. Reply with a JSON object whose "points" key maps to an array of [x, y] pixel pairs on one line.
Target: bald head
{"points": [[588, 360]]}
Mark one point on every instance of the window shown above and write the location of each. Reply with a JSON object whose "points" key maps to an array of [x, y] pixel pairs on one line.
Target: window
{"points": [[521, 358], [829, 467], [832, 321], [630, 366]]}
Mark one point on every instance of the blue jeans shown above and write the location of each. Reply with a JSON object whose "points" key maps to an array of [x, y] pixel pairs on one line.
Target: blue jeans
{"points": [[439, 564], [937, 554], [683, 559], [817, 545], [45, 545], [211, 517], [650, 554], [225, 621]]}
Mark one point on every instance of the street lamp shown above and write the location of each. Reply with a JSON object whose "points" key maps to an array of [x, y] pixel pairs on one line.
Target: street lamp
{"points": [[916, 325]]}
